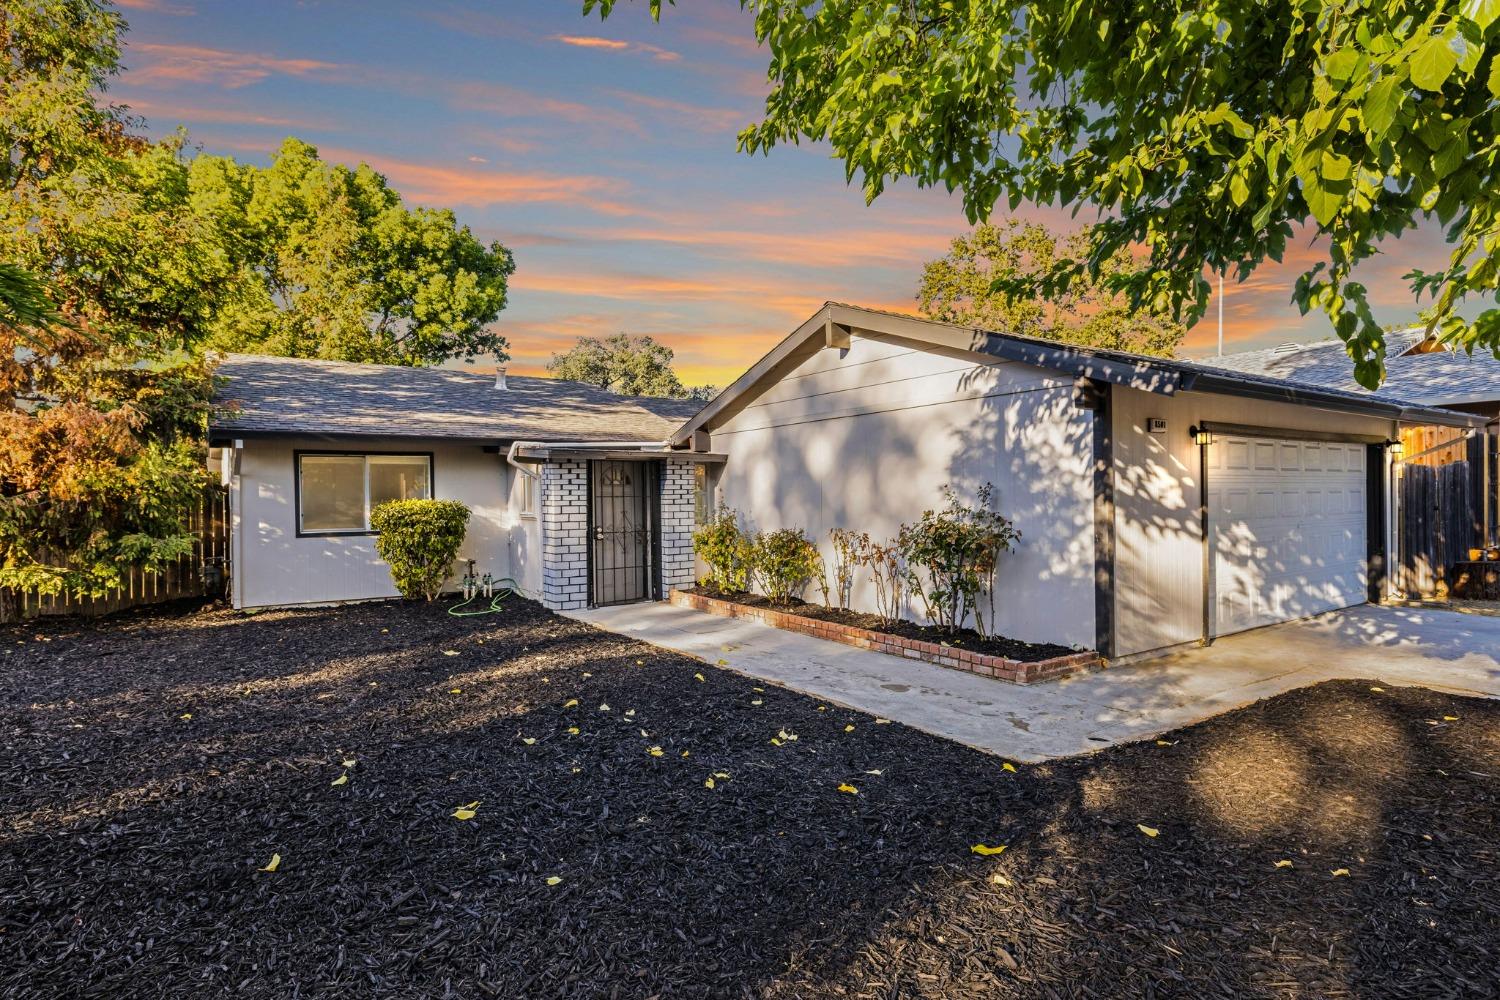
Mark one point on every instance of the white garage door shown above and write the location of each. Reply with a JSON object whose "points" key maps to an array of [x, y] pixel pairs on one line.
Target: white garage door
{"points": [[1287, 526]]}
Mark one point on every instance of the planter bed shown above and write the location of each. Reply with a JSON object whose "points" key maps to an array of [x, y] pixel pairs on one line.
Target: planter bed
{"points": [[1006, 659]]}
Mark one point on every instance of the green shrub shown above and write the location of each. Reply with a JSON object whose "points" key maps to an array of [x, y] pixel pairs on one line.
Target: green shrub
{"points": [[785, 562], [727, 550], [420, 540], [951, 556]]}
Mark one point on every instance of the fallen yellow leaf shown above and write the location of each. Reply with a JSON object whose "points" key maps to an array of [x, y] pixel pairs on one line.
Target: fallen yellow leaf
{"points": [[848, 729], [273, 864], [456, 691], [604, 707], [999, 879], [877, 772], [1166, 743], [1008, 766], [699, 677], [722, 775], [686, 753], [849, 789], [350, 762], [450, 652], [789, 737], [1284, 863], [1450, 718], [186, 716], [629, 712], [757, 701], [656, 751], [708, 782], [759, 690], [640, 663], [528, 740], [775, 742], [1149, 831], [1376, 689], [342, 779], [587, 675], [570, 703], [882, 722], [466, 812], [572, 730], [553, 880], [986, 850], [1339, 871], [822, 708]]}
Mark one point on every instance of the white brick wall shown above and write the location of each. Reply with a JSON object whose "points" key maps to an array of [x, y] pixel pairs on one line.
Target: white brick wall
{"points": [[564, 515], [677, 510]]}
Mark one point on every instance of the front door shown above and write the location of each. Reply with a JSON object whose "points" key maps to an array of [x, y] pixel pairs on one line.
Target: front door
{"points": [[622, 513]]}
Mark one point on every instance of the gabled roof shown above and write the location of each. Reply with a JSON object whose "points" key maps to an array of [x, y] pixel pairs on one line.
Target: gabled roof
{"points": [[832, 324], [1433, 378], [302, 396]]}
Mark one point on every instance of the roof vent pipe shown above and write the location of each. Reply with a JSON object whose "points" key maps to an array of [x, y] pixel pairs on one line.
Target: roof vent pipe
{"points": [[500, 378]]}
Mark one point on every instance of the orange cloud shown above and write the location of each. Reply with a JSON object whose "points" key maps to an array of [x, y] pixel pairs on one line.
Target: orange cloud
{"points": [[617, 45], [842, 248], [172, 64], [190, 114], [514, 102]]}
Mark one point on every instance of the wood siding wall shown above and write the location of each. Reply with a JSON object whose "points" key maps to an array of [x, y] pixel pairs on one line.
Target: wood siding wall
{"points": [[183, 578]]}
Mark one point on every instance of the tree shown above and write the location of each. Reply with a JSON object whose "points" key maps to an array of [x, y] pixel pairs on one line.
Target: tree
{"points": [[1209, 133], [332, 264], [629, 364], [960, 288], [101, 411]]}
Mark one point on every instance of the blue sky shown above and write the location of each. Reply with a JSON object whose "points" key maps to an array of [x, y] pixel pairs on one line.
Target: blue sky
{"points": [[603, 155]]}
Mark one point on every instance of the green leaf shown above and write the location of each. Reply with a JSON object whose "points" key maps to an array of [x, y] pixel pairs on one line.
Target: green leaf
{"points": [[1239, 191], [1340, 65], [1335, 166], [1495, 78], [1481, 12], [1381, 104], [1324, 204], [1433, 63]]}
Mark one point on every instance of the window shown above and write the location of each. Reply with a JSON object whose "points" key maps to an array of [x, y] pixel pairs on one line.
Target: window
{"points": [[703, 495], [528, 493], [335, 493]]}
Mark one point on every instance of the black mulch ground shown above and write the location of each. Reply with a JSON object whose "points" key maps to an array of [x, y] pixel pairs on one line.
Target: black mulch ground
{"points": [[151, 765], [966, 638]]}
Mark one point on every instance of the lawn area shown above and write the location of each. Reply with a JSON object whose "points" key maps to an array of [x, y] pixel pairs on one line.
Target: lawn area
{"points": [[154, 763]]}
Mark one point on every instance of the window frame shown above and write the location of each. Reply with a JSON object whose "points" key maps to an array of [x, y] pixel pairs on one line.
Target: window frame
{"points": [[703, 513], [366, 531], [529, 484]]}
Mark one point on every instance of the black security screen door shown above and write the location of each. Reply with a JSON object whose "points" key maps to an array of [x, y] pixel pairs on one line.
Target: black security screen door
{"points": [[622, 512]]}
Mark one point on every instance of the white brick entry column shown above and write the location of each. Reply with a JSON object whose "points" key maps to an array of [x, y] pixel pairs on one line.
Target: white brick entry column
{"points": [[565, 535], [677, 516]]}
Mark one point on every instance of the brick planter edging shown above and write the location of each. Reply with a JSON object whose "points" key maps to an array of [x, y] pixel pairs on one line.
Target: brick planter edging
{"points": [[1015, 671]]}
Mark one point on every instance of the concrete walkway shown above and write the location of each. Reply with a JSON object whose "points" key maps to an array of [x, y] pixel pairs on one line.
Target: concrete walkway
{"points": [[1398, 646]]}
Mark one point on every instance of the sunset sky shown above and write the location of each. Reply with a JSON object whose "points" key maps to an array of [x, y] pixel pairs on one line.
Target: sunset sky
{"points": [[603, 155]]}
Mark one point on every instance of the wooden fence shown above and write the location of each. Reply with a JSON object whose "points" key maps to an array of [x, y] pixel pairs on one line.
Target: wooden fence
{"points": [[183, 578], [1438, 526]]}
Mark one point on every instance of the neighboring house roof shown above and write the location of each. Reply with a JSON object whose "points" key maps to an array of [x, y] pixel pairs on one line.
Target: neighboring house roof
{"points": [[832, 324], [1432, 378], [302, 396]]}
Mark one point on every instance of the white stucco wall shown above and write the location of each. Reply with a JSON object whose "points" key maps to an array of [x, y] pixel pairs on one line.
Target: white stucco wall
{"points": [[866, 438], [1159, 539], [273, 566]]}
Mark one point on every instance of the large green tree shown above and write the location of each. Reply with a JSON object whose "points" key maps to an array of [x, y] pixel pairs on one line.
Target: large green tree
{"points": [[960, 287], [1210, 132], [332, 264], [629, 364], [101, 407]]}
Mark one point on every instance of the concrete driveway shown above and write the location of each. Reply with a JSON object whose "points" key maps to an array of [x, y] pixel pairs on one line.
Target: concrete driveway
{"points": [[1395, 646]]}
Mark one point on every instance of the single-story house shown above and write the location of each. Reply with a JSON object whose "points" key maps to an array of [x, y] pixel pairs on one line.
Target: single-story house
{"points": [[1159, 501], [308, 447]]}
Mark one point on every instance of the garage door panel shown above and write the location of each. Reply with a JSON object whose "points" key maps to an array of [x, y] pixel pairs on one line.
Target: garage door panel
{"points": [[1287, 525]]}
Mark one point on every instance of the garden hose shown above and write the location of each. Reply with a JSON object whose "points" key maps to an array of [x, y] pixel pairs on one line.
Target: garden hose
{"points": [[503, 587]]}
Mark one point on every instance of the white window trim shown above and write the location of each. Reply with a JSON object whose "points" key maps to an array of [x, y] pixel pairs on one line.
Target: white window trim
{"points": [[365, 456], [529, 484]]}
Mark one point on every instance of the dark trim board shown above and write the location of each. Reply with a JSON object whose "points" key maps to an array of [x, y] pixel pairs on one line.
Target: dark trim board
{"points": [[1376, 536], [1102, 398]]}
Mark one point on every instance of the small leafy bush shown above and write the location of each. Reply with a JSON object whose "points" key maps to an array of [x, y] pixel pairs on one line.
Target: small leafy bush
{"points": [[847, 545], [785, 562], [420, 540], [727, 549], [951, 556], [888, 572]]}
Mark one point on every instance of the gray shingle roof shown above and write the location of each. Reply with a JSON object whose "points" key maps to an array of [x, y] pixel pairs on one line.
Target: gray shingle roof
{"points": [[1437, 378], [270, 395]]}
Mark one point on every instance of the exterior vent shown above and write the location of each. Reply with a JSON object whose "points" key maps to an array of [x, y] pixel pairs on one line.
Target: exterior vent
{"points": [[1287, 348], [500, 378]]}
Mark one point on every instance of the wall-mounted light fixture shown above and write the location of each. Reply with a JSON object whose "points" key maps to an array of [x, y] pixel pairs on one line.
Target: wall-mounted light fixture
{"points": [[1395, 449], [1201, 436]]}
